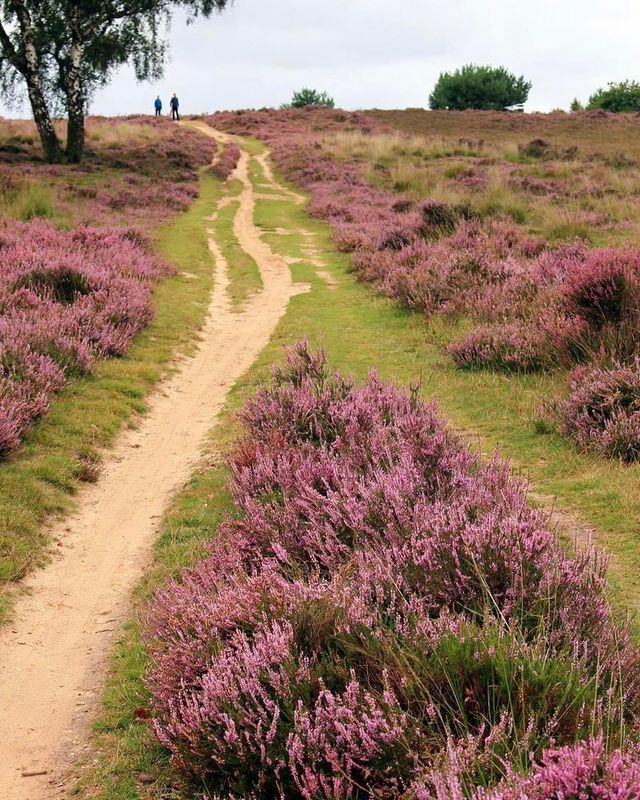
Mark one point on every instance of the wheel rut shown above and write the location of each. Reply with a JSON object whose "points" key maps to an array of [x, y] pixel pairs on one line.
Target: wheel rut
{"points": [[53, 658]]}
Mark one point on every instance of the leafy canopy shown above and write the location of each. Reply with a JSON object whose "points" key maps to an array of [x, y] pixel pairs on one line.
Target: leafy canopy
{"points": [[60, 51], [481, 87], [110, 32], [623, 96], [312, 97]]}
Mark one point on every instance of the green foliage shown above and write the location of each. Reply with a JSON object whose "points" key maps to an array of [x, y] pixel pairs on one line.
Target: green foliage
{"points": [[623, 96], [576, 105], [63, 50], [312, 97], [482, 87], [35, 201]]}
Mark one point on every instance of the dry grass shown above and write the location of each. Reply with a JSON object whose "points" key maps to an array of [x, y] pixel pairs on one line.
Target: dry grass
{"points": [[609, 135], [101, 131], [586, 185], [567, 224], [21, 135], [17, 127]]}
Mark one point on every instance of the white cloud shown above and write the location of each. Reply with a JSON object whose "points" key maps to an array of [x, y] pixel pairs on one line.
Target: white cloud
{"points": [[374, 53]]}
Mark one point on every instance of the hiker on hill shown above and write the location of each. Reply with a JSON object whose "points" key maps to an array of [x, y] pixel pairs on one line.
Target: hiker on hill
{"points": [[175, 104], [158, 106]]}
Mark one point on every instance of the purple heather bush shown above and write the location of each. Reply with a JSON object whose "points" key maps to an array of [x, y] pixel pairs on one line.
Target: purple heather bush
{"points": [[539, 307], [227, 162], [380, 597], [67, 298], [602, 411], [549, 341], [584, 770]]}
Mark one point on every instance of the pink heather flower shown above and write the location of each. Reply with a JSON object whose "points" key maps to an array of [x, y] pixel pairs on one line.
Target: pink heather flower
{"points": [[369, 545], [67, 297], [227, 162], [602, 412]]}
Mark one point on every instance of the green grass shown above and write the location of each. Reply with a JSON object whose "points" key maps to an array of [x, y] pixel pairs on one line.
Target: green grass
{"points": [[258, 178], [64, 448], [244, 278], [359, 331], [35, 201], [28, 200]]}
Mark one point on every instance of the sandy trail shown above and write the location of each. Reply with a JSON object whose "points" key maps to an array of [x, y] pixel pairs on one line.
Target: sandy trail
{"points": [[263, 160], [53, 658]]}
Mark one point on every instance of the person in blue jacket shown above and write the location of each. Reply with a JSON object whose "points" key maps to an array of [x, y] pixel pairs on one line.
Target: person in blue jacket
{"points": [[174, 103], [158, 106]]}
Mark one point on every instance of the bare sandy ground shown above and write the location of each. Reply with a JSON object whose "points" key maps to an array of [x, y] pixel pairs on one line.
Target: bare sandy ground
{"points": [[53, 658]]}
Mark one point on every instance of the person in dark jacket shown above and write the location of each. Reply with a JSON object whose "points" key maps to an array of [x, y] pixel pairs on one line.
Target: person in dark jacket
{"points": [[158, 106], [175, 104]]}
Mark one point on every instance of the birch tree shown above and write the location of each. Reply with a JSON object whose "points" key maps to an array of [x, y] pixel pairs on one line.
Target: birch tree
{"points": [[61, 51]]}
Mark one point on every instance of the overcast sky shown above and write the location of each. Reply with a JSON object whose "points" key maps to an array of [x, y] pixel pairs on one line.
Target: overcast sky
{"points": [[378, 53]]}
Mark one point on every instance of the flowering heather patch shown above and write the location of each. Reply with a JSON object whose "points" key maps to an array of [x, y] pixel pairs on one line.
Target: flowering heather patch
{"points": [[155, 179], [528, 345], [66, 298], [571, 305], [138, 172], [227, 162], [379, 599], [602, 412], [537, 186], [584, 770], [603, 288], [540, 306]]}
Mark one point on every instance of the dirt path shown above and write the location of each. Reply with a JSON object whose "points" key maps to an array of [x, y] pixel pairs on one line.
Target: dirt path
{"points": [[52, 660]]}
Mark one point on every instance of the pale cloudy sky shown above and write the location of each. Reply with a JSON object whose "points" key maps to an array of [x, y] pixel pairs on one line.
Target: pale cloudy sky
{"points": [[379, 53]]}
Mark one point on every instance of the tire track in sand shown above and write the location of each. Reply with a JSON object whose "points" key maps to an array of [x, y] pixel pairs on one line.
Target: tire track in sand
{"points": [[53, 658]]}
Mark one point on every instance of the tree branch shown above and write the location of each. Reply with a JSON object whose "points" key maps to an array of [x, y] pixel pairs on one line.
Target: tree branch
{"points": [[9, 50]]}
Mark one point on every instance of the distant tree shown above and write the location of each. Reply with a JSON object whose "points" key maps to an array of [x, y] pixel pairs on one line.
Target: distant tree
{"points": [[60, 51], [481, 87], [576, 105], [623, 96], [311, 97]]}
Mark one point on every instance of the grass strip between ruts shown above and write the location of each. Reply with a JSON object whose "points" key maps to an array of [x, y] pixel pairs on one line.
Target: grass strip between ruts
{"points": [[359, 331], [65, 447]]}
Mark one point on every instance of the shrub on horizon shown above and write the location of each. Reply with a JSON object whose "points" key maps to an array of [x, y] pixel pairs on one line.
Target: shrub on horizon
{"points": [[479, 87], [311, 97], [618, 97]]}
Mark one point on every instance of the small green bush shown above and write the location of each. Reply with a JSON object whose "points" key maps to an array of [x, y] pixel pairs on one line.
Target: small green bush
{"points": [[312, 97], [480, 87], [623, 96]]}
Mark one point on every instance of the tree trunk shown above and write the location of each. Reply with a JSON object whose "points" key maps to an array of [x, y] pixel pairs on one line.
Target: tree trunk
{"points": [[48, 135], [75, 92], [29, 67], [75, 127]]}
